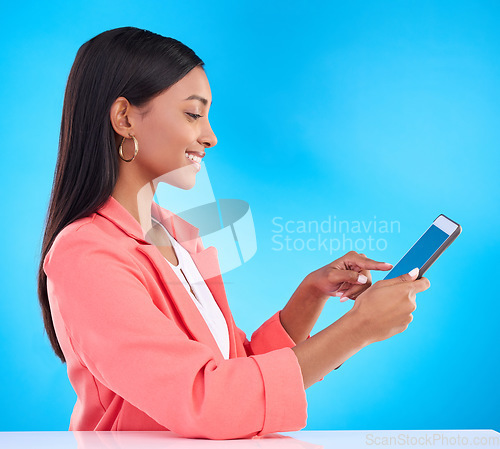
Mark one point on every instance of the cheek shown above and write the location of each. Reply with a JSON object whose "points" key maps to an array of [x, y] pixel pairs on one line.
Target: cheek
{"points": [[167, 136]]}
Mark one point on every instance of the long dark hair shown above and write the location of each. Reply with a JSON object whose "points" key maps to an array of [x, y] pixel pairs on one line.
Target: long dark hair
{"points": [[130, 62]]}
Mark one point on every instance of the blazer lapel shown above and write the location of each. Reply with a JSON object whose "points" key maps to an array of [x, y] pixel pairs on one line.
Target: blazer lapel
{"points": [[206, 261]]}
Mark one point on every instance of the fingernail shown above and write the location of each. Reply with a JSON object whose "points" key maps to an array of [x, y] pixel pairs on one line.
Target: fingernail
{"points": [[362, 279], [413, 272], [338, 293], [344, 299]]}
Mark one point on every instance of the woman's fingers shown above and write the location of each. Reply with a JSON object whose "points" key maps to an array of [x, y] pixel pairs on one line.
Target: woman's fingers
{"points": [[353, 291], [342, 289], [339, 277], [370, 264], [354, 282], [349, 275], [354, 260]]}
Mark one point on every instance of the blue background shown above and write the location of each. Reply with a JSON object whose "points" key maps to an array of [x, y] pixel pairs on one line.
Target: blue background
{"points": [[349, 109]]}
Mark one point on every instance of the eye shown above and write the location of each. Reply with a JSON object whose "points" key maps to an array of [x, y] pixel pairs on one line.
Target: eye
{"points": [[194, 116]]}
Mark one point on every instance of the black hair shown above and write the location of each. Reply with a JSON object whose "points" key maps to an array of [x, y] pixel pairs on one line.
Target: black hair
{"points": [[130, 62]]}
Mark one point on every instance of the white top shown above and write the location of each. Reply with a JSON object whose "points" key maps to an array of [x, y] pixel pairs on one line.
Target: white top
{"points": [[202, 297]]}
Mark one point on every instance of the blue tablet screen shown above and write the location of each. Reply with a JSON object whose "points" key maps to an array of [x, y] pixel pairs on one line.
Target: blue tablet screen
{"points": [[420, 253]]}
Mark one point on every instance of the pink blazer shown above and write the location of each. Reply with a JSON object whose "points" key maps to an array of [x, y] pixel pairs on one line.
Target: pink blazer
{"points": [[140, 355]]}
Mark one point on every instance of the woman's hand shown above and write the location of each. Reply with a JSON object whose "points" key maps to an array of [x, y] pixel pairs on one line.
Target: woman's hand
{"points": [[380, 312], [348, 276], [385, 309]]}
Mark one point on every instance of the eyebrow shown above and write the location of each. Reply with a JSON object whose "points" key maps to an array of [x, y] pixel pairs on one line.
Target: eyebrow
{"points": [[197, 97]]}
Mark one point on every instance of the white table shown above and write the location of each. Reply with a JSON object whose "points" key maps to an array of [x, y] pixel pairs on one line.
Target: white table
{"points": [[305, 439]]}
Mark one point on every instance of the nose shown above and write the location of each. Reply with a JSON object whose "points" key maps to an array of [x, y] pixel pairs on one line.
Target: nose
{"points": [[208, 138]]}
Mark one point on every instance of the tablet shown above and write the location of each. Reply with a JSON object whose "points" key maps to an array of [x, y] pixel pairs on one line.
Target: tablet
{"points": [[438, 236]]}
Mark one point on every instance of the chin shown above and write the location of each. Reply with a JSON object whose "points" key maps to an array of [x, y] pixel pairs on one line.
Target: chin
{"points": [[184, 178], [187, 185]]}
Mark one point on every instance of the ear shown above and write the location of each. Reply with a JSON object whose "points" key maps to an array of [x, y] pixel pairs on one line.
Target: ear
{"points": [[119, 115]]}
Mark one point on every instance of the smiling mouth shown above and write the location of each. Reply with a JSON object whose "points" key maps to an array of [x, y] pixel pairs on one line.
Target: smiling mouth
{"points": [[194, 157], [194, 160]]}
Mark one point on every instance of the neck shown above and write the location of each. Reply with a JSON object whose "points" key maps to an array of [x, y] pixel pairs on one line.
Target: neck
{"points": [[137, 200]]}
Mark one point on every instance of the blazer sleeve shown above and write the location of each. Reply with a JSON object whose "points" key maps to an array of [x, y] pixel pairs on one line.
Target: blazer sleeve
{"points": [[138, 352], [268, 337]]}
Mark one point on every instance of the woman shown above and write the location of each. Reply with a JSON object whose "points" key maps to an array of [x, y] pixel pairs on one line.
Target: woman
{"points": [[133, 302]]}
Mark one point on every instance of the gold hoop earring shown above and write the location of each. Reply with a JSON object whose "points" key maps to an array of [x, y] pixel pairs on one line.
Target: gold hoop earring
{"points": [[120, 149]]}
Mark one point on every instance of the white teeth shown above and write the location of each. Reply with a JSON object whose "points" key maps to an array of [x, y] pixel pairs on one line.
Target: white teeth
{"points": [[193, 157]]}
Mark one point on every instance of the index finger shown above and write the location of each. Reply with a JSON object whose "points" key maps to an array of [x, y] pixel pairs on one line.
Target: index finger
{"points": [[365, 263]]}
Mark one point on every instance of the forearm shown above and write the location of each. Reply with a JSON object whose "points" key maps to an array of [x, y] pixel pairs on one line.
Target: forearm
{"points": [[331, 347], [300, 314]]}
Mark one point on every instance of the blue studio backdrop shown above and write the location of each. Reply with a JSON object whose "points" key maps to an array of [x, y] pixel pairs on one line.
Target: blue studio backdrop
{"points": [[344, 126]]}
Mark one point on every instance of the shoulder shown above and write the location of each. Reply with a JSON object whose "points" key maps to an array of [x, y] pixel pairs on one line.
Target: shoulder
{"points": [[84, 241]]}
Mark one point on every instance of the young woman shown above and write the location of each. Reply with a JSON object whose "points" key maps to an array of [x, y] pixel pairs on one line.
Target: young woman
{"points": [[133, 302]]}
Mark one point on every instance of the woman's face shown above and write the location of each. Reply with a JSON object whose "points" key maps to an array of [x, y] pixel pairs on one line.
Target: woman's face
{"points": [[169, 127]]}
